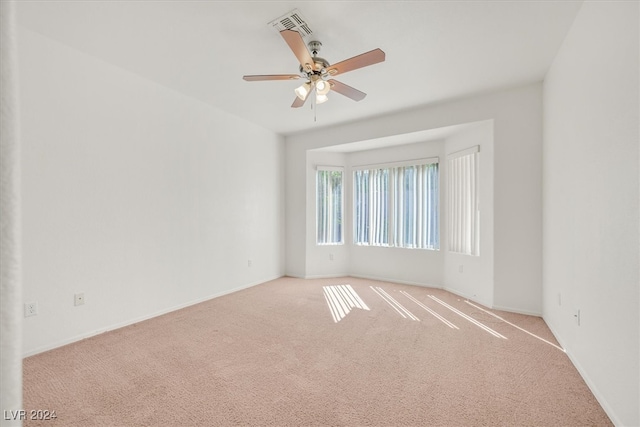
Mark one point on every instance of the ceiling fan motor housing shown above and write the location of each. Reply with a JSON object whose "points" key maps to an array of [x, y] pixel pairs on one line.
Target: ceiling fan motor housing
{"points": [[321, 64]]}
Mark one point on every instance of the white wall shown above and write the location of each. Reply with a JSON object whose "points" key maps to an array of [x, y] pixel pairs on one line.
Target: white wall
{"points": [[591, 203], [517, 117], [142, 198], [296, 170], [472, 276]]}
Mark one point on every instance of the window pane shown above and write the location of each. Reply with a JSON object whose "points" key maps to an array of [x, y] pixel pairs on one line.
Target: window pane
{"points": [[464, 216], [417, 207], [361, 206], [397, 206], [379, 207], [329, 207]]}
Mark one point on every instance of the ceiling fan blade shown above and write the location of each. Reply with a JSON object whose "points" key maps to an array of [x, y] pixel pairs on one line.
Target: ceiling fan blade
{"points": [[257, 78], [346, 90], [297, 103], [299, 48], [362, 60]]}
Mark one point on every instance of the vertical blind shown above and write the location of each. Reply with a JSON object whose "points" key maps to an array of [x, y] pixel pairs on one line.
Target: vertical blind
{"points": [[416, 206], [397, 206], [329, 205], [464, 212], [371, 197]]}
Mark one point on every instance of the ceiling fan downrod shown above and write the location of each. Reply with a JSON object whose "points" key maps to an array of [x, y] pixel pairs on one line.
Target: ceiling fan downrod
{"points": [[314, 47]]}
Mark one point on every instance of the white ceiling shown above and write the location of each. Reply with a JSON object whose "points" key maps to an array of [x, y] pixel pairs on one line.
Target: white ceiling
{"points": [[435, 50]]}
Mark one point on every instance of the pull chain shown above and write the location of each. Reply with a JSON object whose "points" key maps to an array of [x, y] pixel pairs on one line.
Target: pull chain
{"points": [[314, 107]]}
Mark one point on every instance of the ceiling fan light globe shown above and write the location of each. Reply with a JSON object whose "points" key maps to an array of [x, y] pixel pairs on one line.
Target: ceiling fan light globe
{"points": [[322, 87], [303, 90], [320, 99]]}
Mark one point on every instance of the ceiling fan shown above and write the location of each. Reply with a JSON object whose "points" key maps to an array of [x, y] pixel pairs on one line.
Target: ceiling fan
{"points": [[318, 72]]}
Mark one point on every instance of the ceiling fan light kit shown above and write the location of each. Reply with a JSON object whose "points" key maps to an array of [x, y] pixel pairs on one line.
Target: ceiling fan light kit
{"points": [[303, 90], [317, 71], [321, 98], [322, 87]]}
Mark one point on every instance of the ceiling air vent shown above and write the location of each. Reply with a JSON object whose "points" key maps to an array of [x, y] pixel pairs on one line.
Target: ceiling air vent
{"points": [[292, 21]]}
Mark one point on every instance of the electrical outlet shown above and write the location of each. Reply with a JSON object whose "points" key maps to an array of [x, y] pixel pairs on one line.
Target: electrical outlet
{"points": [[577, 316], [30, 309], [460, 268], [78, 299], [249, 263], [330, 257]]}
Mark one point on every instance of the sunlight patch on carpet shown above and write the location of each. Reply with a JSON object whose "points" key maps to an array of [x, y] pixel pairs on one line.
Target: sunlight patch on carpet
{"points": [[341, 299], [469, 318], [394, 304], [516, 326], [433, 313]]}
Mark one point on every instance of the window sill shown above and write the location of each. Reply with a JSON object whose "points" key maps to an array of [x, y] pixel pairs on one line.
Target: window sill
{"points": [[364, 245]]}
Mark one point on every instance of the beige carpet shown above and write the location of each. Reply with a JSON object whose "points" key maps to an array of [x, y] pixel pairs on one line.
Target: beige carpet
{"points": [[275, 354]]}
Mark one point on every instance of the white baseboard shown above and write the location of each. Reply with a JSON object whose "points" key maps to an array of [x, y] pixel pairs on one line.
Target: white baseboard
{"points": [[585, 376], [517, 311], [402, 282], [119, 325], [325, 276], [467, 297]]}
